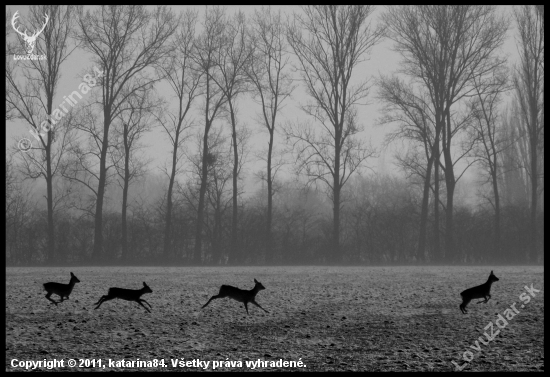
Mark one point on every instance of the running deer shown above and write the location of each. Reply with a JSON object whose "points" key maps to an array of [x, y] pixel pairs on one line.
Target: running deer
{"points": [[480, 291], [240, 295], [127, 294], [62, 290]]}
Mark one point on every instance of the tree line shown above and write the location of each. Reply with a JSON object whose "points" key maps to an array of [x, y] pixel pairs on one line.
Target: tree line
{"points": [[454, 104]]}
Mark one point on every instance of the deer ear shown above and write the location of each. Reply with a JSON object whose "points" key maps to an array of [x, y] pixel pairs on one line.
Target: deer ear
{"points": [[255, 281], [145, 285], [72, 274], [492, 272]]}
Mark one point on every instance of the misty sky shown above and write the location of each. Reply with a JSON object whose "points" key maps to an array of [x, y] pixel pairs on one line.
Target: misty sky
{"points": [[382, 60]]}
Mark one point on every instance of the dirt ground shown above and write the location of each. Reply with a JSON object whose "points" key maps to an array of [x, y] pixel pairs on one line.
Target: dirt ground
{"points": [[320, 319]]}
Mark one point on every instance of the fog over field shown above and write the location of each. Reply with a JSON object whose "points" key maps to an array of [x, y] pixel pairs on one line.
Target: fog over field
{"points": [[271, 136]]}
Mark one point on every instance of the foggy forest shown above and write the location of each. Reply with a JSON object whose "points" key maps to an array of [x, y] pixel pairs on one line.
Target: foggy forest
{"points": [[264, 121]]}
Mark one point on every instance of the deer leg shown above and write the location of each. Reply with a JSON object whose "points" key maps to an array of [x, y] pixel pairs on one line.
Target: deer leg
{"points": [[463, 305], [102, 300], [48, 297], [139, 302], [246, 307], [486, 299], [258, 305], [211, 298], [146, 303]]}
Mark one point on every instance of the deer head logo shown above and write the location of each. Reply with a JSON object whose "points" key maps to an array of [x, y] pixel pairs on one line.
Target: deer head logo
{"points": [[30, 40]]}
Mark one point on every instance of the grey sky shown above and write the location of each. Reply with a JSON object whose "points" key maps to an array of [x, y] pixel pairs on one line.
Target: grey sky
{"points": [[382, 60]]}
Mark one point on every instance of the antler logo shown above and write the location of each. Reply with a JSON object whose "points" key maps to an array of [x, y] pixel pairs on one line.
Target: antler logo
{"points": [[30, 40]]}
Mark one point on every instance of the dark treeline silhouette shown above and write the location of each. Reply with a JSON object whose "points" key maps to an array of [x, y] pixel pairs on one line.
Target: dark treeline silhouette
{"points": [[467, 125], [380, 226]]}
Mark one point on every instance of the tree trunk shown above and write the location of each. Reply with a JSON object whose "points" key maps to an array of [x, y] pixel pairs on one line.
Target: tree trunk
{"points": [[534, 184], [125, 256], [200, 212], [437, 242], [168, 225], [235, 177], [420, 256], [449, 226], [98, 228], [49, 198], [450, 183], [125, 198], [497, 215], [269, 247], [49, 182], [168, 220], [98, 224], [336, 201]]}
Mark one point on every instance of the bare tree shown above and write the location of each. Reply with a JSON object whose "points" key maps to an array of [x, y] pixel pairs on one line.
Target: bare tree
{"points": [[124, 41], [129, 128], [218, 193], [181, 73], [335, 42], [81, 163], [486, 130], [444, 49], [272, 84], [208, 46], [231, 60], [415, 118], [529, 84], [32, 100]]}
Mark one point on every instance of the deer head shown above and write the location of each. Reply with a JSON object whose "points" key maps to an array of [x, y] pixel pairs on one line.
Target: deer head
{"points": [[30, 40]]}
